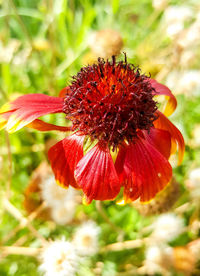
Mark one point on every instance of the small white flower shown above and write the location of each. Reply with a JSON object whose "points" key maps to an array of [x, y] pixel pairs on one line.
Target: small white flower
{"points": [[194, 183], [21, 57], [187, 82], [7, 52], [174, 29], [177, 14], [196, 135], [160, 4], [190, 81], [53, 194], [194, 176], [158, 259], [174, 18], [187, 58], [64, 214], [190, 37], [86, 239], [59, 258], [167, 227], [62, 202]]}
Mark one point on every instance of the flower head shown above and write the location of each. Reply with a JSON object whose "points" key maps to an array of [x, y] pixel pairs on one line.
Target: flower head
{"points": [[120, 138], [187, 82], [193, 183], [113, 105], [63, 214], [86, 239], [105, 43], [59, 258], [196, 136], [160, 4], [175, 24], [167, 227], [62, 202], [55, 195]]}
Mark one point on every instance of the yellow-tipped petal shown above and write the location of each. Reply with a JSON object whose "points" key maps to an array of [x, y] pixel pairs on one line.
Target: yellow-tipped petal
{"points": [[85, 200], [61, 184], [170, 106], [5, 108], [3, 123], [15, 124], [121, 202]]}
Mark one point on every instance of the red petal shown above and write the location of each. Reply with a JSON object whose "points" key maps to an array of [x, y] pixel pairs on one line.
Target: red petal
{"points": [[123, 168], [64, 157], [27, 108], [146, 170], [132, 188], [43, 126], [160, 139], [161, 89], [96, 174], [177, 139], [4, 119], [36, 124]]}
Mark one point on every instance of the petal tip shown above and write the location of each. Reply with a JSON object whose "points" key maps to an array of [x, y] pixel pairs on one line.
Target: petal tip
{"points": [[121, 202], [86, 201]]}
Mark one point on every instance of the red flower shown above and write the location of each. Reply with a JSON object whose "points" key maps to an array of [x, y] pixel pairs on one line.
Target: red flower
{"points": [[119, 139]]}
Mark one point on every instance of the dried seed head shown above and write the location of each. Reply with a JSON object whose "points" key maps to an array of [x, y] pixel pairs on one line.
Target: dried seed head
{"points": [[106, 43]]}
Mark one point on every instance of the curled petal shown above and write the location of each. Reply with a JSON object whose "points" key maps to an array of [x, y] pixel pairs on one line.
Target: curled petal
{"points": [[176, 137], [96, 175], [64, 157], [36, 124], [161, 89], [27, 108], [43, 126], [4, 119], [144, 169], [160, 139]]}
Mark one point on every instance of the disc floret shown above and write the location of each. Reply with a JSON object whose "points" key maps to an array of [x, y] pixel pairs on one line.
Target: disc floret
{"points": [[110, 101]]}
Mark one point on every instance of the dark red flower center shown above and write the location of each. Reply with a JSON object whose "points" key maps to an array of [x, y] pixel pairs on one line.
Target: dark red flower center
{"points": [[110, 101]]}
